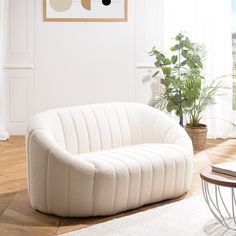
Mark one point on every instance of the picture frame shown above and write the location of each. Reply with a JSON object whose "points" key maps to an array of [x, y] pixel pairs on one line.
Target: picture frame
{"points": [[85, 11]]}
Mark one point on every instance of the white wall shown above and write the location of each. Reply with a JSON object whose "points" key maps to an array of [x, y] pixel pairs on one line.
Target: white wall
{"points": [[81, 63], [57, 64]]}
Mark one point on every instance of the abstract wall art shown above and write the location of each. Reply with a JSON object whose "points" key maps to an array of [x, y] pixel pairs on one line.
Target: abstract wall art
{"points": [[85, 10]]}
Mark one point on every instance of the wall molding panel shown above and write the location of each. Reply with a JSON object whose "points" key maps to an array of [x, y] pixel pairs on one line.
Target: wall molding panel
{"points": [[20, 44], [18, 94], [19, 65], [149, 30], [18, 40], [20, 86]]}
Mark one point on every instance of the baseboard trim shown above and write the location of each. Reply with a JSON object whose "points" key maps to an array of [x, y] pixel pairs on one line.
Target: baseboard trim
{"points": [[17, 128]]}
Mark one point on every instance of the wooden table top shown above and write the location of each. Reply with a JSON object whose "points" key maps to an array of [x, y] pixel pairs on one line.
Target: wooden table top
{"points": [[217, 178]]}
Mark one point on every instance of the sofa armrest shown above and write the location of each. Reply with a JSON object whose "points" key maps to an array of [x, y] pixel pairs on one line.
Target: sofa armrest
{"points": [[55, 171]]}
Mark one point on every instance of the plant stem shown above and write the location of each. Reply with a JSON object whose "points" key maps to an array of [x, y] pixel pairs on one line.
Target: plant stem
{"points": [[181, 120]]}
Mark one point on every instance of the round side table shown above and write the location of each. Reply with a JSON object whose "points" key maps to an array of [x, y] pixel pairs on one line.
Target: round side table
{"points": [[222, 207]]}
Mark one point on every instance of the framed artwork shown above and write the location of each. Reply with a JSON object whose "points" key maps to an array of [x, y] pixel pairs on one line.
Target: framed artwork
{"points": [[85, 10]]}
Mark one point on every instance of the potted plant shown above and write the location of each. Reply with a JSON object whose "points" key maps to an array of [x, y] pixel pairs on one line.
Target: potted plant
{"points": [[184, 89], [196, 130], [181, 75]]}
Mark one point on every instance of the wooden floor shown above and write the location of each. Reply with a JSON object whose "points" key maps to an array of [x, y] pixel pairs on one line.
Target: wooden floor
{"points": [[18, 218]]}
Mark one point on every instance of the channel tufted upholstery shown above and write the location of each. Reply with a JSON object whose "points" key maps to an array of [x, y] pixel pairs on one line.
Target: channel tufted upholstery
{"points": [[106, 158]]}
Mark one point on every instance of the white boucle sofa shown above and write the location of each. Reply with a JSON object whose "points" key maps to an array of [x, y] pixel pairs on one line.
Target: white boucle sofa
{"points": [[103, 159]]}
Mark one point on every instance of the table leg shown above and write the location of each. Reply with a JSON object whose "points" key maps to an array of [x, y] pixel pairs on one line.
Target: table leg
{"points": [[218, 206]]}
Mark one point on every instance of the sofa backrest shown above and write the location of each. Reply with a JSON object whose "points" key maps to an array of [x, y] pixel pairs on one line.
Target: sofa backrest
{"points": [[100, 127]]}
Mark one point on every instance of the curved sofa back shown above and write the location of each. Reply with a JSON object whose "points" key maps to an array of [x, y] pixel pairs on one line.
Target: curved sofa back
{"points": [[100, 127]]}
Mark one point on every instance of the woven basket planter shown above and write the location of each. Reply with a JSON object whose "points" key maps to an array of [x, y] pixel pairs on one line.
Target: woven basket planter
{"points": [[198, 136]]}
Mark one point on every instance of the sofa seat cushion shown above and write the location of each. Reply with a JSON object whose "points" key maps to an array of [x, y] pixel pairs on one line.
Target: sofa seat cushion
{"points": [[130, 177]]}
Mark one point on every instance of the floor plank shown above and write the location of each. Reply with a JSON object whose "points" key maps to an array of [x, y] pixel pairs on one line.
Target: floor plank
{"points": [[20, 219], [5, 199]]}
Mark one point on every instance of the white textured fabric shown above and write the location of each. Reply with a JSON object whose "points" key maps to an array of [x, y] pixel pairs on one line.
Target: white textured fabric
{"points": [[104, 159], [3, 21]]}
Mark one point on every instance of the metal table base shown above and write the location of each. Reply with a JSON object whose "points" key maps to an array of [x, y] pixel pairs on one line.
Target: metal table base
{"points": [[223, 211]]}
